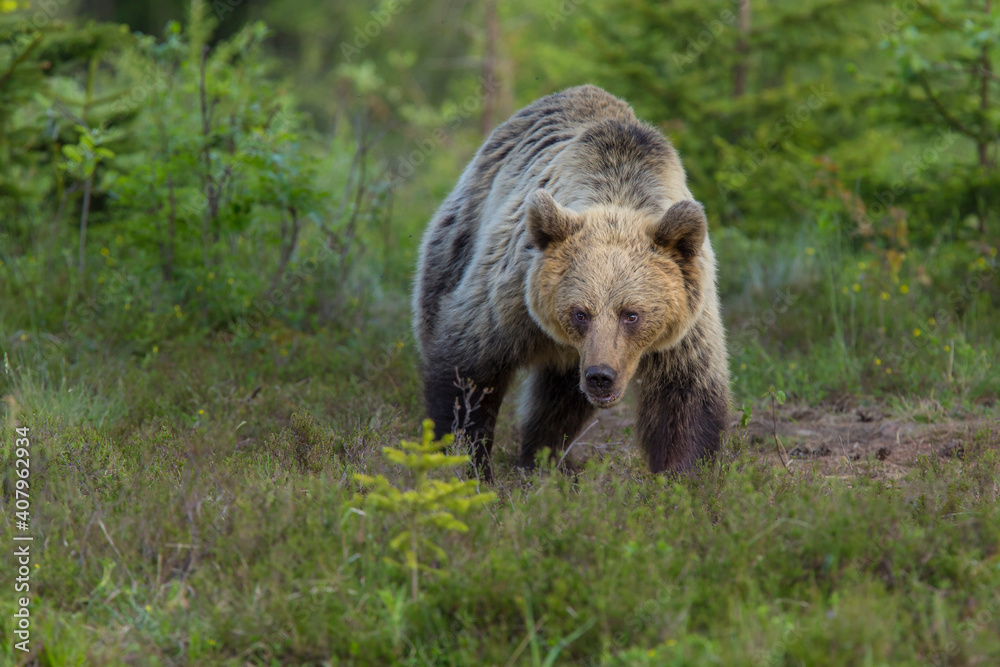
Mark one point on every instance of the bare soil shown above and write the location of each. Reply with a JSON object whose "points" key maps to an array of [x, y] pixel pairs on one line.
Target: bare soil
{"points": [[836, 439]]}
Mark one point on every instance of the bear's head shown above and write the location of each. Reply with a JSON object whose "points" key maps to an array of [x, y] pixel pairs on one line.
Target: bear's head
{"points": [[614, 283]]}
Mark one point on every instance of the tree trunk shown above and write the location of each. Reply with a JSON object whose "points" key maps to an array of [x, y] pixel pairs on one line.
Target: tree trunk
{"points": [[982, 144], [82, 268], [490, 67], [742, 50], [984, 101], [208, 182], [168, 256]]}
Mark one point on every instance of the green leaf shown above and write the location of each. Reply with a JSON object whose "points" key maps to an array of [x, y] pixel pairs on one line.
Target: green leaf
{"points": [[73, 153], [400, 541]]}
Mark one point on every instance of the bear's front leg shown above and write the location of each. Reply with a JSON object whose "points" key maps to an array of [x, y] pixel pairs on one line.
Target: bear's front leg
{"points": [[554, 411], [683, 406], [448, 399]]}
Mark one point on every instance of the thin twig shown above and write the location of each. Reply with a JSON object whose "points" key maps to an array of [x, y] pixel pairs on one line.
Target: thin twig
{"points": [[461, 427], [575, 440], [289, 249], [19, 60], [846, 456], [121, 561], [941, 109], [208, 182], [84, 213], [777, 443]]}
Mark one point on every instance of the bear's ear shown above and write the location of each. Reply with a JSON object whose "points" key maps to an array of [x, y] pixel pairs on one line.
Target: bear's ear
{"points": [[548, 221], [682, 228]]}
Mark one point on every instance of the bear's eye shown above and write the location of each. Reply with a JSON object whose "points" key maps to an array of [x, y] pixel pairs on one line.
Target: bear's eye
{"points": [[631, 318], [580, 316]]}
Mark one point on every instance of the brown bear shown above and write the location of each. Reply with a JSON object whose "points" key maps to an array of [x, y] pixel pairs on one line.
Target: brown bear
{"points": [[572, 246]]}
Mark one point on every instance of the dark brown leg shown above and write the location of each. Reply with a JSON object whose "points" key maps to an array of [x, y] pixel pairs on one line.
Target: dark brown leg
{"points": [[442, 394], [555, 412], [682, 408]]}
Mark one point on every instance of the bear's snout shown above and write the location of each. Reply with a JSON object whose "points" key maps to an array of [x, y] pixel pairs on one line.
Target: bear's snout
{"points": [[599, 382], [600, 379]]}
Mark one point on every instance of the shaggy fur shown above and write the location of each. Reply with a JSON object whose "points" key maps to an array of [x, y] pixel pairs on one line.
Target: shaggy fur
{"points": [[571, 245]]}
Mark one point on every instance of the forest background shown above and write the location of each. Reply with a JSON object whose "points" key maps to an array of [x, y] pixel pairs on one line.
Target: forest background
{"points": [[209, 218]]}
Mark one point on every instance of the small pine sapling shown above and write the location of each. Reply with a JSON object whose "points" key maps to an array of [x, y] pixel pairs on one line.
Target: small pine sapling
{"points": [[430, 504]]}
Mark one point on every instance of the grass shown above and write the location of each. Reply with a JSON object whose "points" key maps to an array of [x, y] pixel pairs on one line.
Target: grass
{"points": [[166, 550], [191, 502]]}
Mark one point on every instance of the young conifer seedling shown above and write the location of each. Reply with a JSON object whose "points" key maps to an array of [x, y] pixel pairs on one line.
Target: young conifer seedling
{"points": [[431, 504]]}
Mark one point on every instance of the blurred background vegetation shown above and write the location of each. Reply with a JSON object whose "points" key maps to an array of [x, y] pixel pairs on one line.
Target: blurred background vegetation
{"points": [[209, 216], [245, 171]]}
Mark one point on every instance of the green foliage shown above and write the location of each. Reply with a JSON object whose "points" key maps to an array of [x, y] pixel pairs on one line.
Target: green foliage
{"points": [[823, 320], [204, 200], [206, 392], [610, 565], [944, 82], [762, 104], [83, 157], [943, 51], [777, 395], [431, 503], [749, 100]]}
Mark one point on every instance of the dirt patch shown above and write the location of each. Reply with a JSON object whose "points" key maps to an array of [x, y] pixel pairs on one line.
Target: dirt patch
{"points": [[837, 439], [838, 442]]}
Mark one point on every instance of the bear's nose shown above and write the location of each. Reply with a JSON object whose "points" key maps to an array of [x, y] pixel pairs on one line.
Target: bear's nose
{"points": [[600, 377]]}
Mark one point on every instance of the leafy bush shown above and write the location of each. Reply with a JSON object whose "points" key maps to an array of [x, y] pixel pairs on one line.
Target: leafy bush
{"points": [[196, 193]]}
